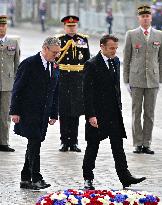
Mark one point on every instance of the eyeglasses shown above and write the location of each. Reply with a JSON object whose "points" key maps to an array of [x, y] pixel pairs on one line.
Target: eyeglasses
{"points": [[54, 52]]}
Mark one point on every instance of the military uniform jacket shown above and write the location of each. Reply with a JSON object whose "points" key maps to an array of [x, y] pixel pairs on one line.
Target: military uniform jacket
{"points": [[9, 61], [34, 98], [102, 99], [75, 52], [142, 61]]}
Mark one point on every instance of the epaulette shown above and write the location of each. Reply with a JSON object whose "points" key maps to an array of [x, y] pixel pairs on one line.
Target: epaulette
{"points": [[83, 35], [59, 35]]}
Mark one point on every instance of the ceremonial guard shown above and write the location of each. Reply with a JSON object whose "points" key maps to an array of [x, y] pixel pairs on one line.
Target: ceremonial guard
{"points": [[9, 61], [142, 74], [74, 53]]}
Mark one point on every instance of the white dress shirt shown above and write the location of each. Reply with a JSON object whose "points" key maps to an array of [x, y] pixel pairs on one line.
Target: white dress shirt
{"points": [[149, 30], [44, 61], [105, 59]]}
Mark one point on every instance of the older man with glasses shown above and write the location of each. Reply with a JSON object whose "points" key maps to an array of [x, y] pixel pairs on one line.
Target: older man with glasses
{"points": [[34, 104]]}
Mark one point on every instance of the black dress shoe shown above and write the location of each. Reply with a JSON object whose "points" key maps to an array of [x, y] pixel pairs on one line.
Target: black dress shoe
{"points": [[138, 150], [75, 148], [6, 148], [63, 148], [88, 185], [26, 184], [41, 184], [147, 150], [132, 180]]}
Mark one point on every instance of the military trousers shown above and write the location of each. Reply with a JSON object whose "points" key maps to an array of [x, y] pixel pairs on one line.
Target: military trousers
{"points": [[143, 98], [5, 97], [69, 130]]}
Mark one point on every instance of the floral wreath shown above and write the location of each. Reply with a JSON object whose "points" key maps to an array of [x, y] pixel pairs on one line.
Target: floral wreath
{"points": [[98, 197]]}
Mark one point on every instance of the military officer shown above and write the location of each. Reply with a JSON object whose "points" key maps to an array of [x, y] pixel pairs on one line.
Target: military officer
{"points": [[9, 61], [142, 65], [74, 53]]}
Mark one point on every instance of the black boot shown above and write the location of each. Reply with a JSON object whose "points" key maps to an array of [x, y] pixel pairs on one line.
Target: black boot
{"points": [[75, 148]]}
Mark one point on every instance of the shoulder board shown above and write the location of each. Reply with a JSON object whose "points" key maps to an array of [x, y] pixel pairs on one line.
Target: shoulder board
{"points": [[59, 35], [83, 35]]}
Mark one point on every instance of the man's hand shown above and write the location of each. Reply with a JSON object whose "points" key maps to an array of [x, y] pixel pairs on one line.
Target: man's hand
{"points": [[15, 118], [52, 121], [93, 121]]}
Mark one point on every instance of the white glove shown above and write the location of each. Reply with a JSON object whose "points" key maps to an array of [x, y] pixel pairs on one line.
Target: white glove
{"points": [[128, 87]]}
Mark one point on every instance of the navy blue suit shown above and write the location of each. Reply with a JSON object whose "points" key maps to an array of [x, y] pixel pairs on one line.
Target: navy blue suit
{"points": [[34, 99], [102, 100]]}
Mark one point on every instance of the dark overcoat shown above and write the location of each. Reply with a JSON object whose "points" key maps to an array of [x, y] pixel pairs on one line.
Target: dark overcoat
{"points": [[34, 98], [102, 99], [71, 83]]}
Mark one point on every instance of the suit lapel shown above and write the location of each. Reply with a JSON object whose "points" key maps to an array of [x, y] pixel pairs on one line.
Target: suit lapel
{"points": [[152, 36], [140, 34], [101, 62]]}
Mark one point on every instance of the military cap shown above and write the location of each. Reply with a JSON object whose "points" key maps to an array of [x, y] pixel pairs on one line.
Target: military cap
{"points": [[70, 20], [3, 19], [144, 9]]}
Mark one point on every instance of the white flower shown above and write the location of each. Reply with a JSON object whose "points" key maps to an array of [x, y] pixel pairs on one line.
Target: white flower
{"points": [[61, 196], [104, 201], [85, 201], [73, 200], [107, 198], [67, 203], [43, 202]]}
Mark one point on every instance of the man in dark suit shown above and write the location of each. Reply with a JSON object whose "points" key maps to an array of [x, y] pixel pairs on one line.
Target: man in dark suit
{"points": [[103, 112], [34, 104]]}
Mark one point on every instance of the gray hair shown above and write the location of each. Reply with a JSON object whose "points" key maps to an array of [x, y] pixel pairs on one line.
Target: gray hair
{"points": [[50, 41]]}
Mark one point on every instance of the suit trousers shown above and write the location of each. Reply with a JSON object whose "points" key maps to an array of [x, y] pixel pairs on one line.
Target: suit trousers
{"points": [[69, 130], [118, 155], [31, 169], [5, 97], [146, 98]]}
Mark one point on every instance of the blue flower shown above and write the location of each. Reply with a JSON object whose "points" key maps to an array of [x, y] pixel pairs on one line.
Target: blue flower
{"points": [[119, 198], [92, 195], [151, 198], [142, 200], [59, 202], [40, 199]]}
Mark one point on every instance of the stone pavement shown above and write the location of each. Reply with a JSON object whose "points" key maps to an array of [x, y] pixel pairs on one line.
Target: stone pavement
{"points": [[64, 170]]}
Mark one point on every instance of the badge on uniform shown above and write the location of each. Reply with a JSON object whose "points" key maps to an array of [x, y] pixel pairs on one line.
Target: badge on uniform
{"points": [[11, 48], [80, 56], [156, 44], [81, 43], [137, 46]]}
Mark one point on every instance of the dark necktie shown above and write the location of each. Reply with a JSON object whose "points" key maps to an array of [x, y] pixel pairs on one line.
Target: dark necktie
{"points": [[47, 71]]}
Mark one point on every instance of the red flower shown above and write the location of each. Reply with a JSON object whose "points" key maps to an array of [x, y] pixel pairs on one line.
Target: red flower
{"points": [[55, 65], [137, 45]]}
